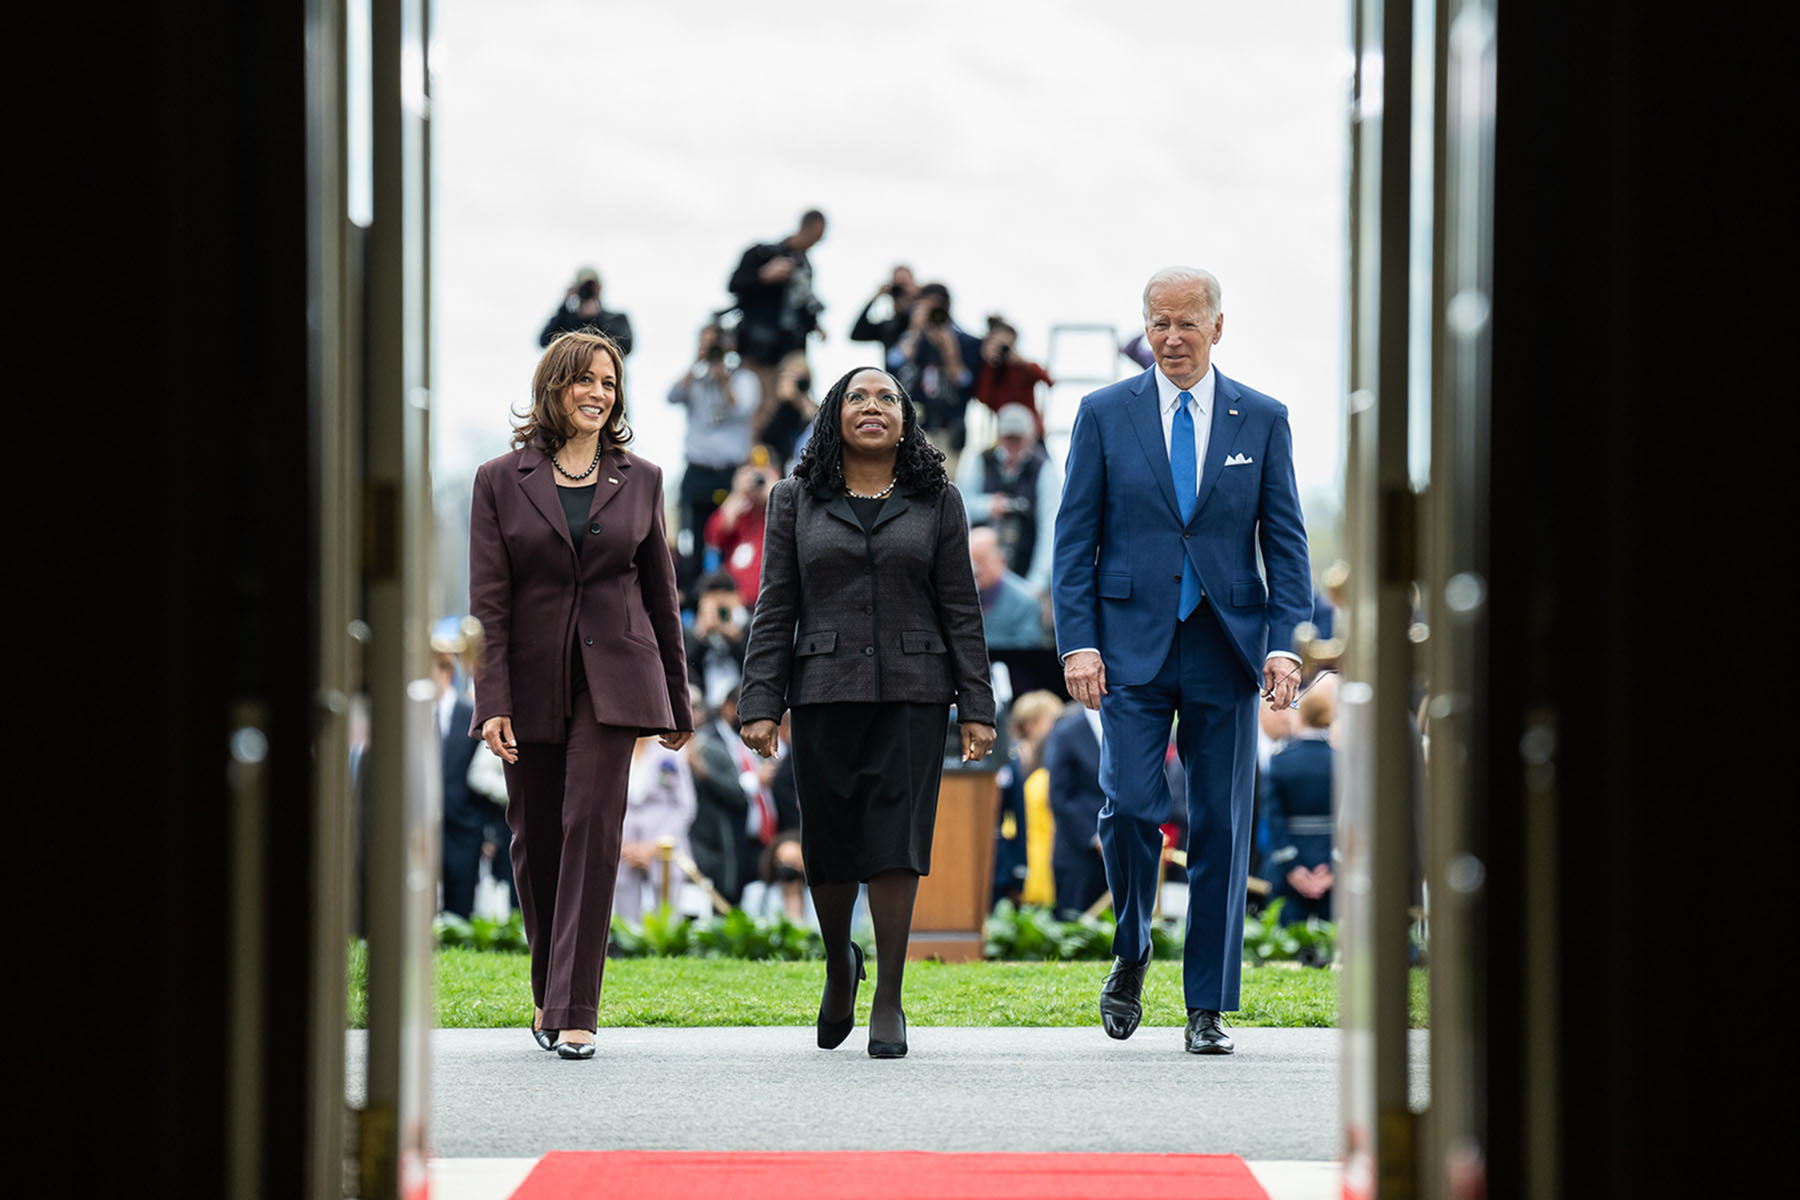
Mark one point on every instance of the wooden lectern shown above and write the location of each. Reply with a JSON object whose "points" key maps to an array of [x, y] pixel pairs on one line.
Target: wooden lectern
{"points": [[950, 915]]}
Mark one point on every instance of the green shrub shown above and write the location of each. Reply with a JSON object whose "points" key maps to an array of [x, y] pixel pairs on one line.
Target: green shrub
{"points": [[1312, 943], [481, 933], [1033, 934]]}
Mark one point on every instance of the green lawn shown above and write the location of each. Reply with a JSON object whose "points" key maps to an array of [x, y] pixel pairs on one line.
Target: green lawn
{"points": [[477, 990]]}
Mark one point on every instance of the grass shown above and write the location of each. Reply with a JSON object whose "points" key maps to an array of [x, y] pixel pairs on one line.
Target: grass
{"points": [[477, 990]]}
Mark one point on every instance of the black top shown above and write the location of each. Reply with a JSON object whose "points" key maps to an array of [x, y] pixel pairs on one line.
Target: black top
{"points": [[867, 511], [576, 501]]}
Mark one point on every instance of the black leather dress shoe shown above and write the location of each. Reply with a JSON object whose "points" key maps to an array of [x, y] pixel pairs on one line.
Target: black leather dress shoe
{"points": [[1206, 1032], [1120, 1010], [545, 1038], [575, 1050], [833, 1033]]}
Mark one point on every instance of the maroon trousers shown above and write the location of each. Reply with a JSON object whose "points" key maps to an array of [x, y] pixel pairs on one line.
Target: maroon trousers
{"points": [[566, 808]]}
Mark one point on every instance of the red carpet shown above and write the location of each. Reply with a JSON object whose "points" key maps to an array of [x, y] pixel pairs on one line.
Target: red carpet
{"points": [[899, 1175]]}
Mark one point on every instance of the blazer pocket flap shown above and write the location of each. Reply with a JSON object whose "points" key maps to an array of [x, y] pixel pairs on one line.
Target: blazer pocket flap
{"points": [[1115, 587], [816, 643], [1248, 593], [921, 641]]}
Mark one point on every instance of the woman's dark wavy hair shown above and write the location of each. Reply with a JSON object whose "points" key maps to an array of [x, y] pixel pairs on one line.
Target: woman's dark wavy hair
{"points": [[918, 465], [545, 424]]}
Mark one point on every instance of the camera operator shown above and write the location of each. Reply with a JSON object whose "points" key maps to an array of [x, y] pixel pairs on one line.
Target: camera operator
{"points": [[900, 291], [736, 529], [720, 396], [1015, 486], [785, 414], [715, 641], [934, 361], [1004, 377], [773, 286], [581, 309]]}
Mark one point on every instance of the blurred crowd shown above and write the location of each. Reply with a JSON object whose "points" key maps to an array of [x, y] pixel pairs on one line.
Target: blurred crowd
{"points": [[714, 825]]}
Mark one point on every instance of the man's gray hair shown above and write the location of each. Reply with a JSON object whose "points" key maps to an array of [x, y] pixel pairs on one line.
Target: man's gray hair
{"points": [[1207, 281]]}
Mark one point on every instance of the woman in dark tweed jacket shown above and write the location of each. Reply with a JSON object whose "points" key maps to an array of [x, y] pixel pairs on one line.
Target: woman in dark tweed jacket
{"points": [[868, 627]]}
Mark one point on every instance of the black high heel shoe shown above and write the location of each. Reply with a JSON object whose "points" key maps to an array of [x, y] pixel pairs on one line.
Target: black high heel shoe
{"points": [[575, 1050], [833, 1033], [881, 1049], [545, 1038]]}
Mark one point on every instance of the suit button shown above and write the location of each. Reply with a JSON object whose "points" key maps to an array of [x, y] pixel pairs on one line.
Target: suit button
{"points": [[595, 528], [868, 608], [587, 641], [1184, 536], [868, 649], [1177, 579]]}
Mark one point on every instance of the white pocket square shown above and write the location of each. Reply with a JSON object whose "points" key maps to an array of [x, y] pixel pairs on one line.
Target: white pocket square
{"points": [[1238, 460]]}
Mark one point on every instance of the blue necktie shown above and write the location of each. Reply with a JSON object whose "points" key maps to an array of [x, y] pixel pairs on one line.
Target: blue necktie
{"points": [[1187, 483]]}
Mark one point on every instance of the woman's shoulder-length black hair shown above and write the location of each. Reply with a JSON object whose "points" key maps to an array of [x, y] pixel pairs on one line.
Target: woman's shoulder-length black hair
{"points": [[918, 465]]}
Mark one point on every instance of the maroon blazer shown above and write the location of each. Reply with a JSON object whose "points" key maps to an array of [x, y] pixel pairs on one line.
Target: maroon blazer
{"points": [[535, 599]]}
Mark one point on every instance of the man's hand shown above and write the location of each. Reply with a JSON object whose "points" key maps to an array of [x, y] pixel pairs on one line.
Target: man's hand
{"points": [[776, 270], [760, 737], [1281, 682], [977, 740], [675, 739], [497, 733], [638, 854], [1084, 674]]}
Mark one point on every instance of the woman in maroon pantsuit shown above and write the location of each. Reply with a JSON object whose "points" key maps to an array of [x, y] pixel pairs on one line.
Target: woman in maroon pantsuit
{"points": [[571, 578]]}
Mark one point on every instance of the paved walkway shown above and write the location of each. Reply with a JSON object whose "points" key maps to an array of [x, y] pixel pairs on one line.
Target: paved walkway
{"points": [[499, 1101]]}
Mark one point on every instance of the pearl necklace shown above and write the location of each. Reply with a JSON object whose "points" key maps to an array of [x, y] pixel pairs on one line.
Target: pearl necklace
{"points": [[881, 495], [565, 474]]}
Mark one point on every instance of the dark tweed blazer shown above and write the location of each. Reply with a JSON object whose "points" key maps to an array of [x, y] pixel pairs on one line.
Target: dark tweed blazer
{"points": [[844, 615]]}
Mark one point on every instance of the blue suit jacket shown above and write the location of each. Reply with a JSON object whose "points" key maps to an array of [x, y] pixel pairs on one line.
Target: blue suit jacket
{"points": [[1116, 579]]}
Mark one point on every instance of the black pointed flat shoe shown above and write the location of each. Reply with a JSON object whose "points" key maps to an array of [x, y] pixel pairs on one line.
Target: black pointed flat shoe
{"points": [[881, 1049], [575, 1050], [545, 1038], [833, 1033]]}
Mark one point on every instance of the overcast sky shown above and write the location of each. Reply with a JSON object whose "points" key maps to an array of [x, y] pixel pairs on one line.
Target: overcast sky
{"points": [[1042, 159]]}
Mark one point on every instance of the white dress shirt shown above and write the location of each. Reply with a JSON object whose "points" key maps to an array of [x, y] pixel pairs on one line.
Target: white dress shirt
{"points": [[1200, 407]]}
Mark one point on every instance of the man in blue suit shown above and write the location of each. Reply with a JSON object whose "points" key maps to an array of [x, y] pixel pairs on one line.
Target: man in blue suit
{"points": [[1175, 480]]}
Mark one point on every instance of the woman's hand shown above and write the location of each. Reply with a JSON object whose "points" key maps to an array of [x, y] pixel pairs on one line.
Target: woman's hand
{"points": [[497, 733], [676, 739], [760, 737], [977, 741]]}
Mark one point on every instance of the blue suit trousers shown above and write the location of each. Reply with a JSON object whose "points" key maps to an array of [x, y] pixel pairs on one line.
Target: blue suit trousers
{"points": [[1203, 682]]}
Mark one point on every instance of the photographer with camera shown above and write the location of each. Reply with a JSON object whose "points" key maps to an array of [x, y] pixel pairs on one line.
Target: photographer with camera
{"points": [[581, 309], [1004, 377], [721, 397], [715, 641], [773, 286], [787, 413], [900, 291], [736, 529], [934, 362]]}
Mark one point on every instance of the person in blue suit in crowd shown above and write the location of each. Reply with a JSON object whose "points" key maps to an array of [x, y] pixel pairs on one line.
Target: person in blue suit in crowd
{"points": [[465, 813], [1176, 479], [1072, 756], [1297, 800]]}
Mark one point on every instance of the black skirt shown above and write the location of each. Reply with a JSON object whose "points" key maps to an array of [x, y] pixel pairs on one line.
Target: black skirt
{"points": [[867, 778]]}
